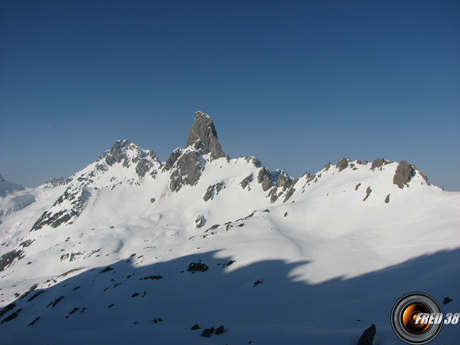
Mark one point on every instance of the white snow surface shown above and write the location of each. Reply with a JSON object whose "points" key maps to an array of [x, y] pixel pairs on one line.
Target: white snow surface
{"points": [[319, 268]]}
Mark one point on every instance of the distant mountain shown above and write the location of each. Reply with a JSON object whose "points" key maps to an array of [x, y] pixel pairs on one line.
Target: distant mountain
{"points": [[134, 249]]}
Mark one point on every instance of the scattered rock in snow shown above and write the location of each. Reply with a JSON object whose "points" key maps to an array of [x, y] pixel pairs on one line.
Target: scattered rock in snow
{"points": [[158, 320], [152, 278], [200, 221], [207, 332], [8, 308], [220, 330], [107, 269], [357, 186], [258, 282], [197, 267], [368, 192], [368, 336], [33, 322], [195, 327], [326, 167], [213, 190], [12, 316], [246, 181], [9, 258], [387, 199], [152, 200]]}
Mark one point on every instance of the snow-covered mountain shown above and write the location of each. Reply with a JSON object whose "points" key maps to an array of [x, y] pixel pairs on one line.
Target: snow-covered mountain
{"points": [[131, 249]]}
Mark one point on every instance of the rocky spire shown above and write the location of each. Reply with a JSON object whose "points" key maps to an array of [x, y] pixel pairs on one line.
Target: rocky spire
{"points": [[203, 136]]}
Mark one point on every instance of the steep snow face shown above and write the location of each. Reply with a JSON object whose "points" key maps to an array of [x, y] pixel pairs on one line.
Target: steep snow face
{"points": [[129, 241]]}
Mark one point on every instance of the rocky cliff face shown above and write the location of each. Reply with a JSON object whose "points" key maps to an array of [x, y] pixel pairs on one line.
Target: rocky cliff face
{"points": [[203, 136]]}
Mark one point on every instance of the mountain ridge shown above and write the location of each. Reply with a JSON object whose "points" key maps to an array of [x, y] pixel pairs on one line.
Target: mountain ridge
{"points": [[216, 215]]}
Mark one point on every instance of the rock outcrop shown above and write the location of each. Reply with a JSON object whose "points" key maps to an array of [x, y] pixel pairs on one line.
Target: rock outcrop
{"points": [[203, 136], [368, 336], [342, 164], [404, 173]]}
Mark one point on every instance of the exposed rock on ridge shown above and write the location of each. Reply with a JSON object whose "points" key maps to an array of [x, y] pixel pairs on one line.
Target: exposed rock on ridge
{"points": [[203, 136], [404, 173]]}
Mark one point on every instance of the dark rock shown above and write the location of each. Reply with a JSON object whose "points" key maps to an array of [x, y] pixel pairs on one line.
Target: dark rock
{"points": [[135, 294], [342, 164], [358, 161], [378, 162], [200, 221], [272, 195], [203, 136], [8, 308], [213, 190], [143, 167], [195, 327], [197, 267], [152, 278], [284, 181], [74, 311], [7, 259], [365, 162], [33, 322], [327, 166], [357, 186], [207, 332], [368, 336], [256, 162], [56, 301], [107, 269], [35, 296], [54, 216], [258, 282], [289, 193], [220, 330], [173, 159], [158, 320], [188, 171], [152, 200], [54, 182], [265, 178], [246, 181], [404, 173], [447, 300], [117, 153], [12, 316], [387, 199], [368, 192]]}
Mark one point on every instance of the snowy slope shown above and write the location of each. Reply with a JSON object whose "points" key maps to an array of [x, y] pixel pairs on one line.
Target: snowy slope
{"points": [[106, 255]]}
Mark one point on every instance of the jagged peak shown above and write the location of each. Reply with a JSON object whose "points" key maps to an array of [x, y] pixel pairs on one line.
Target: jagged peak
{"points": [[203, 136]]}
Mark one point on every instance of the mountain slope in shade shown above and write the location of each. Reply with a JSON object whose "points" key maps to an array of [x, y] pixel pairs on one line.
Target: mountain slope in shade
{"points": [[131, 248]]}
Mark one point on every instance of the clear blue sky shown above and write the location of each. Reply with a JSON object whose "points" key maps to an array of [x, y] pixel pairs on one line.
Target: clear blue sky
{"points": [[295, 83]]}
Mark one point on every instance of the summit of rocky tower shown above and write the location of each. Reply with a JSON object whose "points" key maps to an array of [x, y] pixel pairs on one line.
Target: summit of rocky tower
{"points": [[203, 136]]}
